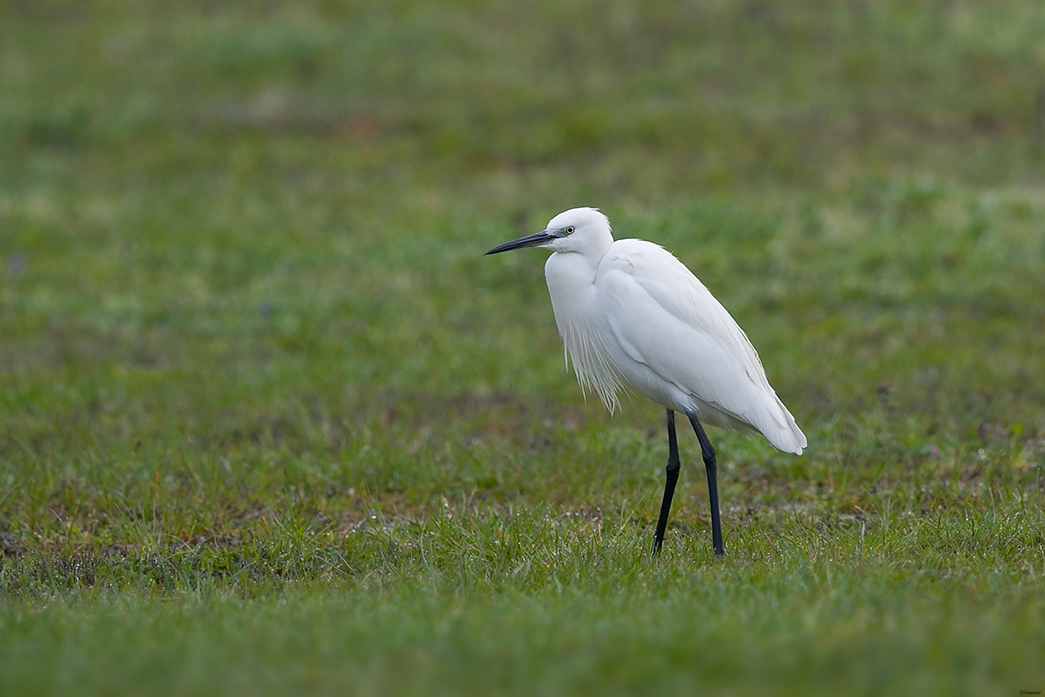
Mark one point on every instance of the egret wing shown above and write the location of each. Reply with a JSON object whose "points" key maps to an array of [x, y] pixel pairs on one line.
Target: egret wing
{"points": [[665, 318]]}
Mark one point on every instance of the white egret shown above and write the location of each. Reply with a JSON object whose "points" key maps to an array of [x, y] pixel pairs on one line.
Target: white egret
{"points": [[630, 313]]}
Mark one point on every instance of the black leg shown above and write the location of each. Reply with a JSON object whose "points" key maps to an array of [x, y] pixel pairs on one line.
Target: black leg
{"points": [[669, 482], [711, 466]]}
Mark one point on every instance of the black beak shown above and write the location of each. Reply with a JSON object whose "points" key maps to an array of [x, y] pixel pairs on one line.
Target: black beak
{"points": [[534, 240]]}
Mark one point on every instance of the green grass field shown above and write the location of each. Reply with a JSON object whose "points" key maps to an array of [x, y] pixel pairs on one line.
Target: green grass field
{"points": [[271, 423]]}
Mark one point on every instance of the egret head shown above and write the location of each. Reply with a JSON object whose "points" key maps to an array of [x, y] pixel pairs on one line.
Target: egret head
{"points": [[576, 230]]}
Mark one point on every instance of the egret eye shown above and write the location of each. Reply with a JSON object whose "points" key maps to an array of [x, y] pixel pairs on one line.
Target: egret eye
{"points": [[569, 230]]}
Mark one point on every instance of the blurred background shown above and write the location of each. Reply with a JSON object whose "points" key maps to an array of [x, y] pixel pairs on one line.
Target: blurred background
{"points": [[233, 227]]}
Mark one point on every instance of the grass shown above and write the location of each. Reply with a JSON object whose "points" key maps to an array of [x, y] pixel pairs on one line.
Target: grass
{"points": [[269, 421]]}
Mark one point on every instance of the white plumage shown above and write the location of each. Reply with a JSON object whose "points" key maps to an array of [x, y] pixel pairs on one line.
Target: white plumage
{"points": [[630, 313], [635, 314]]}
